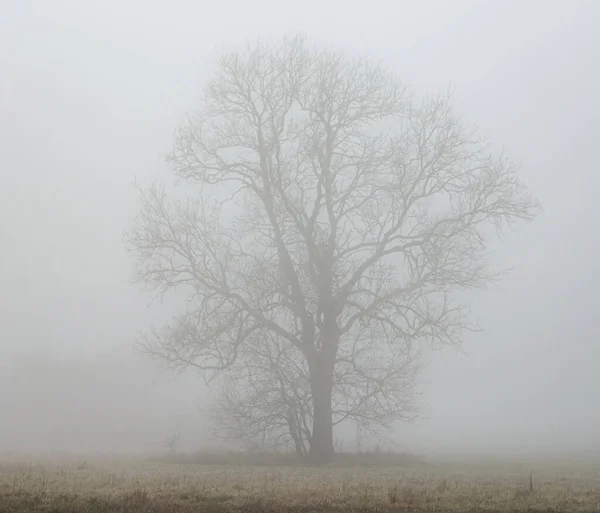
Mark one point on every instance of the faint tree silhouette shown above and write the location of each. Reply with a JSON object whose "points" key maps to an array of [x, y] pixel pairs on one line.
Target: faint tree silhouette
{"points": [[355, 214]]}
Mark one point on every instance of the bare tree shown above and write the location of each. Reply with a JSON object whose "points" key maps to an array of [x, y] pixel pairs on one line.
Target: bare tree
{"points": [[355, 214], [172, 441]]}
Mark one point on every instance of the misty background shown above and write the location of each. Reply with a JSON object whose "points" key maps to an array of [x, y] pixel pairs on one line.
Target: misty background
{"points": [[90, 96]]}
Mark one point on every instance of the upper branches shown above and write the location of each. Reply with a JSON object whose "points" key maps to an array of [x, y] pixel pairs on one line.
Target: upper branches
{"points": [[354, 206]]}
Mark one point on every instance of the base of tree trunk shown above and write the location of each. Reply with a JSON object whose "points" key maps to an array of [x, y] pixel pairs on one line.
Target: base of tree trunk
{"points": [[321, 457]]}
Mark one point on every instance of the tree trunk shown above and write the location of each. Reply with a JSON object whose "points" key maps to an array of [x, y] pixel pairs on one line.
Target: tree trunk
{"points": [[321, 443]]}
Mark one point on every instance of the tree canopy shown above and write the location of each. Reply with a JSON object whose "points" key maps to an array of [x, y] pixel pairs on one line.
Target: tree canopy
{"points": [[354, 214]]}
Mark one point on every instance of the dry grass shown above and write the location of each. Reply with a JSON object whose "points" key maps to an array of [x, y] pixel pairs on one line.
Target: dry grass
{"points": [[130, 486]]}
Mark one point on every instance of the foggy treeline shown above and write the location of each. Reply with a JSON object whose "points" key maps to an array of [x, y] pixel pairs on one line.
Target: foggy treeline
{"points": [[90, 103]]}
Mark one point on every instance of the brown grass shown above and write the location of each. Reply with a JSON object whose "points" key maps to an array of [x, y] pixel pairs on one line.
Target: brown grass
{"points": [[135, 486]]}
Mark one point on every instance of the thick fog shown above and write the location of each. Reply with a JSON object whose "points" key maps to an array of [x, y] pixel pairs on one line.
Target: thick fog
{"points": [[90, 95]]}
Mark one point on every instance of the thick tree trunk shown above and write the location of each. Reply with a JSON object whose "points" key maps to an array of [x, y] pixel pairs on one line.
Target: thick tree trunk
{"points": [[321, 444]]}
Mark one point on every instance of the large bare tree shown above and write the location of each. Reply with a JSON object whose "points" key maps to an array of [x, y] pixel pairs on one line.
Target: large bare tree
{"points": [[330, 215]]}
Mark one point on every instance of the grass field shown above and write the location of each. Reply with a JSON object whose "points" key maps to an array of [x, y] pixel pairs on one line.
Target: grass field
{"points": [[104, 486]]}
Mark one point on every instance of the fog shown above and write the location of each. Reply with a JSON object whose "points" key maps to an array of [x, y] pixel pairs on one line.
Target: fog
{"points": [[90, 95]]}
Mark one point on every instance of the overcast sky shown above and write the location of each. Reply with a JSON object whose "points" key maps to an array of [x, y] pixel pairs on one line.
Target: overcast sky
{"points": [[90, 94]]}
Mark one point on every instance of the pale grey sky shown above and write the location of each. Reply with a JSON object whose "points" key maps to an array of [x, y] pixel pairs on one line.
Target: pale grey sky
{"points": [[90, 94]]}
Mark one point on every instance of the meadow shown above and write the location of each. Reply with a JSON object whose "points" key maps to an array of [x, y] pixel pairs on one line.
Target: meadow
{"points": [[70, 485]]}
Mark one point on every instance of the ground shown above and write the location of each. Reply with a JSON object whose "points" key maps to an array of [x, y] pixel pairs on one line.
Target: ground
{"points": [[102, 485]]}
